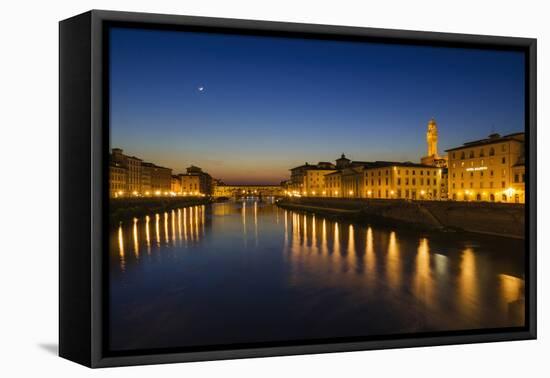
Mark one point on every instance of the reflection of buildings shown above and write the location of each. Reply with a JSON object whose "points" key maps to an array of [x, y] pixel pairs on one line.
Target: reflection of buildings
{"points": [[491, 169], [176, 227]]}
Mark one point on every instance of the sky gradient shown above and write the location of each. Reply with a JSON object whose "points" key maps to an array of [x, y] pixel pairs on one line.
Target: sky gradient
{"points": [[246, 108]]}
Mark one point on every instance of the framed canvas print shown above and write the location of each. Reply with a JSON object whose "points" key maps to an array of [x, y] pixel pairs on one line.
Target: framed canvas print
{"points": [[234, 188]]}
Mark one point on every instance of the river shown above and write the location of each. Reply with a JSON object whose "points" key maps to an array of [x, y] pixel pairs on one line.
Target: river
{"points": [[245, 272]]}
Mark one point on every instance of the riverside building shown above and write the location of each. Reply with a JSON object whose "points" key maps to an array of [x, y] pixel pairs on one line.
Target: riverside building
{"points": [[491, 169], [196, 182], [131, 176], [309, 179]]}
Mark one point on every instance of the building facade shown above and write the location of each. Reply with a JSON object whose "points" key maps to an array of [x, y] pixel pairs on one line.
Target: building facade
{"points": [[309, 179], [175, 186], [117, 179], [161, 180], [490, 169], [133, 167], [131, 176], [402, 180], [196, 182], [378, 179], [146, 173]]}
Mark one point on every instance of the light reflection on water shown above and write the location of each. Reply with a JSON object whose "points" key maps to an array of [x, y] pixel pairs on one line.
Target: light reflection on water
{"points": [[274, 274]]}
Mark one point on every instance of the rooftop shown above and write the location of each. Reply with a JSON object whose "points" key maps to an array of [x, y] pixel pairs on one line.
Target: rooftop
{"points": [[493, 138]]}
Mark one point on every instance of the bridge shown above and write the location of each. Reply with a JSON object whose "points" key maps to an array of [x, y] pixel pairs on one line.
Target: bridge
{"points": [[238, 191]]}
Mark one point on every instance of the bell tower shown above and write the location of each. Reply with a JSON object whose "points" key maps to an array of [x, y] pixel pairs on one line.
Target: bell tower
{"points": [[431, 138]]}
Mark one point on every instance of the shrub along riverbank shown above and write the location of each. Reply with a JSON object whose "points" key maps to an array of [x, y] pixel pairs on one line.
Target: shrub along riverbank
{"points": [[121, 209], [480, 217]]}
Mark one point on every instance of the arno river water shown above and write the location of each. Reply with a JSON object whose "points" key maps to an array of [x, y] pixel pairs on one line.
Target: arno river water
{"points": [[242, 272]]}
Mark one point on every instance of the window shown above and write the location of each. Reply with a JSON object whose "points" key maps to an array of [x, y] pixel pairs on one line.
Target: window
{"points": [[481, 154], [413, 172], [492, 151], [422, 181], [386, 181], [503, 160], [503, 147], [504, 184], [491, 184], [454, 155], [516, 178], [471, 185], [421, 173], [471, 154], [414, 181], [471, 174], [462, 156], [462, 185], [398, 181]]}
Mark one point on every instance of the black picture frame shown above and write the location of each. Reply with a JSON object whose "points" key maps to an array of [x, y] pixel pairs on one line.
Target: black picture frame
{"points": [[83, 197]]}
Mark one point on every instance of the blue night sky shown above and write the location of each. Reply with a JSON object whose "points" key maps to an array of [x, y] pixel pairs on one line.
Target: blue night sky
{"points": [[268, 104]]}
